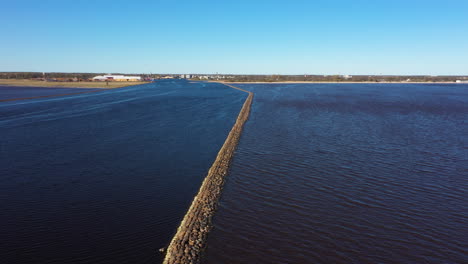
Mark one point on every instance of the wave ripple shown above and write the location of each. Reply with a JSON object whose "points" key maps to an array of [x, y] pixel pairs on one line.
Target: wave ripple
{"points": [[349, 173]]}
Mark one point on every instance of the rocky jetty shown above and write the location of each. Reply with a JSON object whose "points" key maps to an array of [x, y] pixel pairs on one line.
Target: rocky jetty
{"points": [[190, 238]]}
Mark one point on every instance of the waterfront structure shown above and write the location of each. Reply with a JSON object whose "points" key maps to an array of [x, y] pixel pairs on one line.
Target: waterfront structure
{"points": [[188, 243], [117, 78]]}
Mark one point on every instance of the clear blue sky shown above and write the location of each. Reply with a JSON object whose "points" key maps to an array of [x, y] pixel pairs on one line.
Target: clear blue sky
{"points": [[253, 37]]}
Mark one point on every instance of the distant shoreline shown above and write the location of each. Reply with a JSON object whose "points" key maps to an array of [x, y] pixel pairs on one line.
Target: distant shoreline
{"points": [[34, 83], [298, 82]]}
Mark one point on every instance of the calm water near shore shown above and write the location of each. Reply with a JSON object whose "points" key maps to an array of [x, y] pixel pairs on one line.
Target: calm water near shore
{"points": [[105, 177], [14, 92], [348, 173]]}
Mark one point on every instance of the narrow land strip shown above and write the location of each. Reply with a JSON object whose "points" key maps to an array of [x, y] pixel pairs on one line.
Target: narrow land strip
{"points": [[190, 239], [67, 94], [34, 83], [343, 82]]}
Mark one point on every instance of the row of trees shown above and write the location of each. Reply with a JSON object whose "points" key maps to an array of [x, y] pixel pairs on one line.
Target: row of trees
{"points": [[341, 78], [250, 78], [52, 75], [47, 75]]}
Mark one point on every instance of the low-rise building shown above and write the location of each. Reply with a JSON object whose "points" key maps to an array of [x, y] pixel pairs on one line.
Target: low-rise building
{"points": [[117, 78]]}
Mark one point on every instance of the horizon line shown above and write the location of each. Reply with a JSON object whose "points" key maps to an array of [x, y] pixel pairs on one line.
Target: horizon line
{"points": [[252, 74]]}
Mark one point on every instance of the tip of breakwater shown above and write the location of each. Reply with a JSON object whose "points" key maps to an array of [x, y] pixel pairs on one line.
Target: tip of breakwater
{"points": [[188, 243]]}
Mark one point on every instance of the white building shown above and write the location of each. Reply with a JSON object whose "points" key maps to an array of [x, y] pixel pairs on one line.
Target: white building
{"points": [[185, 76], [117, 78]]}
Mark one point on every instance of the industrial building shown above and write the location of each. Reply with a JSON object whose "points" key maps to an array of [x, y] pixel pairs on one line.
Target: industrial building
{"points": [[117, 78]]}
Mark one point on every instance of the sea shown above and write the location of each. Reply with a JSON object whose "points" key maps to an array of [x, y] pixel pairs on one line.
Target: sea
{"points": [[323, 173], [107, 176], [348, 173]]}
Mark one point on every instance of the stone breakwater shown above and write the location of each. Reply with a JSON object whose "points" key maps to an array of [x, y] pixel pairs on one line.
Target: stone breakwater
{"points": [[190, 239]]}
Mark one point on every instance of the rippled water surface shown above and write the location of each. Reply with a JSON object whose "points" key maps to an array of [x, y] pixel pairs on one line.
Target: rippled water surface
{"points": [[14, 92], [105, 177], [348, 173]]}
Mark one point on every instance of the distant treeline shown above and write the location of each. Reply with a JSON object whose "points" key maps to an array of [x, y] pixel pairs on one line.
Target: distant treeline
{"points": [[245, 78], [52, 75], [46, 75], [72, 76], [336, 78]]}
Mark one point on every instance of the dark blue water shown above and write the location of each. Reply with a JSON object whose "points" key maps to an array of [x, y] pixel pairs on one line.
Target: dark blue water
{"points": [[14, 92], [348, 173], [106, 177]]}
